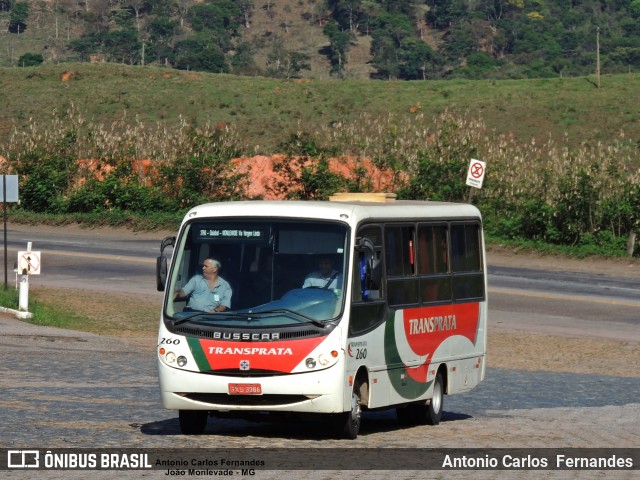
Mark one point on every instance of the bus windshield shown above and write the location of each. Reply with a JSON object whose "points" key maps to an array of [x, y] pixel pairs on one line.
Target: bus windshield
{"points": [[257, 272]]}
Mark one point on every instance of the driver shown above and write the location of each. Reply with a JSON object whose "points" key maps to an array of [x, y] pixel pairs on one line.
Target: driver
{"points": [[207, 292], [325, 276]]}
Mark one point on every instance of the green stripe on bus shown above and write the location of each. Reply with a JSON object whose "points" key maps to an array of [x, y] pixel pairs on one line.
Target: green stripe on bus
{"points": [[400, 379], [198, 354]]}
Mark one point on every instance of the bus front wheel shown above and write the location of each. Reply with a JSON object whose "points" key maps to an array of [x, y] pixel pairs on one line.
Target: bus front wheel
{"points": [[193, 422], [348, 423]]}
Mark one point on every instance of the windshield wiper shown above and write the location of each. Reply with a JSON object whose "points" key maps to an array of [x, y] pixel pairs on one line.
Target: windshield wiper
{"points": [[213, 314], [291, 313]]}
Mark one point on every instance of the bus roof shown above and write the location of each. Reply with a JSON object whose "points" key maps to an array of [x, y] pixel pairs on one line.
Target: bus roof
{"points": [[351, 212]]}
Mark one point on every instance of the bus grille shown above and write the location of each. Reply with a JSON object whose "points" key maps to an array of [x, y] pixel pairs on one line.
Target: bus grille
{"points": [[203, 333], [236, 400]]}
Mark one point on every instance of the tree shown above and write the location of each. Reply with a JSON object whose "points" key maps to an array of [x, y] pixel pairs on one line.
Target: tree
{"points": [[5, 5], [347, 13], [122, 46], [207, 59], [18, 17], [139, 8], [417, 61], [385, 56], [242, 60], [30, 60], [282, 63], [389, 32], [339, 43], [162, 30], [87, 45], [221, 16], [246, 7], [443, 14]]}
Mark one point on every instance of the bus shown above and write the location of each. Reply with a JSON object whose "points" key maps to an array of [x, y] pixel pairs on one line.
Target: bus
{"points": [[332, 308]]}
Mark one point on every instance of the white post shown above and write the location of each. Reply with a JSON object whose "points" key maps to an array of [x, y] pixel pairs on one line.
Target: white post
{"points": [[23, 297], [23, 302]]}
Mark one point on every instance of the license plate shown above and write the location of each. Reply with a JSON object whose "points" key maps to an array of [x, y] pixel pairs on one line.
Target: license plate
{"points": [[245, 389]]}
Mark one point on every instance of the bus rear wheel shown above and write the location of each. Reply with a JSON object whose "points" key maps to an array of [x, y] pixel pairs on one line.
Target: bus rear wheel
{"points": [[193, 422], [433, 410], [424, 413]]}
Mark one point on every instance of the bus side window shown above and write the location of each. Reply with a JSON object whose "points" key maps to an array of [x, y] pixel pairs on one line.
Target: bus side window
{"points": [[399, 249], [433, 264], [367, 309], [466, 262], [367, 284]]}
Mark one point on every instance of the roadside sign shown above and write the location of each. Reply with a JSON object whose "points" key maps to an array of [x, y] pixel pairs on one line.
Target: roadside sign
{"points": [[475, 174], [11, 184], [29, 263]]}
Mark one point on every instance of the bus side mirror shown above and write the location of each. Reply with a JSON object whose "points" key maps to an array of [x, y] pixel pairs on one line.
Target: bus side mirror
{"points": [[161, 272], [373, 270], [161, 263], [364, 244]]}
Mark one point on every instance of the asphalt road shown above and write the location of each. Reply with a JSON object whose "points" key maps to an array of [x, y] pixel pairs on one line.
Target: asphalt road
{"points": [[77, 256], [72, 389]]}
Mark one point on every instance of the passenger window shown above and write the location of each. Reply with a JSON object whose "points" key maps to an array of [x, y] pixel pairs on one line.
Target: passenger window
{"points": [[399, 251], [433, 264], [465, 248], [466, 262], [432, 249]]}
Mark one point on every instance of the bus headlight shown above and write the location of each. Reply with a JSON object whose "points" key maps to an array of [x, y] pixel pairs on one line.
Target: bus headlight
{"points": [[170, 357], [182, 361], [310, 363]]}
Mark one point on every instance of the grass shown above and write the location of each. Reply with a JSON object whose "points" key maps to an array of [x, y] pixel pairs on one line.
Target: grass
{"points": [[266, 111], [88, 311], [540, 247]]}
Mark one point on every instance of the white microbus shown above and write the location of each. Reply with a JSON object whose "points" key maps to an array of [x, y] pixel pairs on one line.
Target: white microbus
{"points": [[331, 308]]}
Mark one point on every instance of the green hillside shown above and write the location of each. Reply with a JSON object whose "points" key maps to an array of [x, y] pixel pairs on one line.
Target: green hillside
{"points": [[319, 39], [267, 111]]}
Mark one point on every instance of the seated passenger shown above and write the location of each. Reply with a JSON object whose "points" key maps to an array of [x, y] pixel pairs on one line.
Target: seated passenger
{"points": [[325, 277], [207, 292]]}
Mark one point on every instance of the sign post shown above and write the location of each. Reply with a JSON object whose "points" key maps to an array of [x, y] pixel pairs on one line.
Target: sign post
{"points": [[28, 264], [475, 175], [9, 194]]}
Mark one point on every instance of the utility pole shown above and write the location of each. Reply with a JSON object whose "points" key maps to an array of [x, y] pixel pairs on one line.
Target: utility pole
{"points": [[598, 57]]}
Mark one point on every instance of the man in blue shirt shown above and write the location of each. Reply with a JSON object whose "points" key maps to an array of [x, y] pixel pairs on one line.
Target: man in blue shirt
{"points": [[207, 292]]}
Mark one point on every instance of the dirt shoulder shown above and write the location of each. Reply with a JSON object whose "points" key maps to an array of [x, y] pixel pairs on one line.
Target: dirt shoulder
{"points": [[571, 350], [498, 255]]}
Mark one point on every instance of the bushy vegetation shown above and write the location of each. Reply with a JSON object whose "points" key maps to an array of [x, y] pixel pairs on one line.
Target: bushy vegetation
{"points": [[587, 196], [72, 166]]}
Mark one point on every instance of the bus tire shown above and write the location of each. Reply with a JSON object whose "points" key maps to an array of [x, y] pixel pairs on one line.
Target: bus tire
{"points": [[193, 422], [348, 423], [433, 410]]}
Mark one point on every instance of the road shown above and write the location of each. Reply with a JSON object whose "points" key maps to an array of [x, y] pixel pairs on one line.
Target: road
{"points": [[72, 389]]}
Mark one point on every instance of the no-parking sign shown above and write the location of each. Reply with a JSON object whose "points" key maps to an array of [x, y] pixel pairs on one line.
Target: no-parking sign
{"points": [[475, 174], [29, 263]]}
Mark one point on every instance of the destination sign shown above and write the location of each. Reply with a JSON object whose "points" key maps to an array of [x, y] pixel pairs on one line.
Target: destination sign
{"points": [[241, 233]]}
